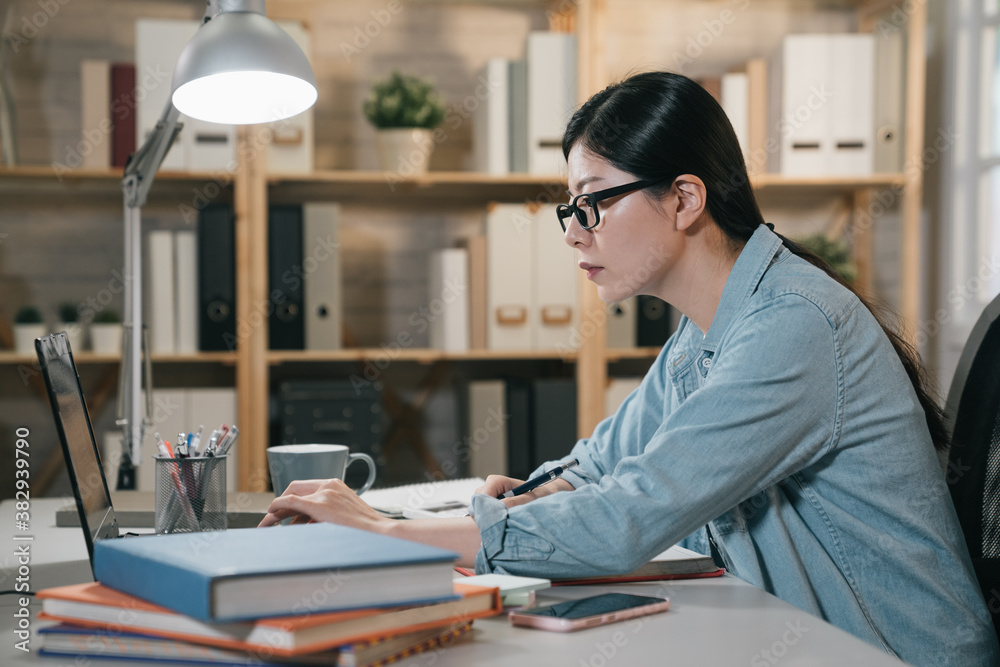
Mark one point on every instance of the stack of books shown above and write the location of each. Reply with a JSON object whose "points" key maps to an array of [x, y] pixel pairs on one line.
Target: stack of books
{"points": [[306, 594]]}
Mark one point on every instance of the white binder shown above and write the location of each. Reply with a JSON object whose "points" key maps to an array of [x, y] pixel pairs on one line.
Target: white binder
{"points": [[95, 118], [321, 265], [186, 290], [890, 109], [487, 439], [827, 109], [200, 146], [158, 44], [551, 61], [852, 106], [208, 146], [621, 323], [556, 291], [160, 306], [491, 119], [448, 300], [735, 101], [518, 115], [804, 127], [510, 237], [291, 148]]}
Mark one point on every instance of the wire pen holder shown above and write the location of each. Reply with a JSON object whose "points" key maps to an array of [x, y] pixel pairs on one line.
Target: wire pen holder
{"points": [[190, 494]]}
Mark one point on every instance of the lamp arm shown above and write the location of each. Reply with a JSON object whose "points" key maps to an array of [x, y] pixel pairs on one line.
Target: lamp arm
{"points": [[144, 163], [140, 171]]}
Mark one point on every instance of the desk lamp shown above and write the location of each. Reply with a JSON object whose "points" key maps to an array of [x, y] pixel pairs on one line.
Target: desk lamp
{"points": [[239, 68]]}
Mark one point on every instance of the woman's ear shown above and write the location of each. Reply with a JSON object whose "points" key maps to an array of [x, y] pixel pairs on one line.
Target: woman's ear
{"points": [[692, 199]]}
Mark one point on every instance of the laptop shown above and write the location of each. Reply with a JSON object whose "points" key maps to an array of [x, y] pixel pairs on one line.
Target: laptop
{"points": [[76, 435]]}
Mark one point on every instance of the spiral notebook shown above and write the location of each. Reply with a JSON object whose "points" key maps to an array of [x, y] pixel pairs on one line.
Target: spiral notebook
{"points": [[445, 498]]}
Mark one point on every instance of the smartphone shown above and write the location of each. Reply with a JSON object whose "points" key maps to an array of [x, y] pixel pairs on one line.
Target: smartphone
{"points": [[588, 612]]}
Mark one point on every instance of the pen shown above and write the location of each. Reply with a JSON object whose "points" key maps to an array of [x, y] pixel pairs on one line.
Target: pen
{"points": [[194, 443], [163, 447], [227, 442], [544, 478]]}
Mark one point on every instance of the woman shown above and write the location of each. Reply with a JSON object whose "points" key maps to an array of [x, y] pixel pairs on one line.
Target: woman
{"points": [[781, 428]]}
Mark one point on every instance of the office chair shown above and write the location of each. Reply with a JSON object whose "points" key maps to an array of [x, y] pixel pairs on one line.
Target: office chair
{"points": [[972, 417]]}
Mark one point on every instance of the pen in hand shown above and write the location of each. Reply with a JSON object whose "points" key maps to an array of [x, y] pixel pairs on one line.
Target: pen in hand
{"points": [[535, 482]]}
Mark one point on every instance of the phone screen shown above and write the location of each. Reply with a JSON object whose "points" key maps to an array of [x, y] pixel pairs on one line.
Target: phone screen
{"points": [[592, 606]]}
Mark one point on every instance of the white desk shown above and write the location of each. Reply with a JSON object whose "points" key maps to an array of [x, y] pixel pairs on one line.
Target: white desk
{"points": [[711, 622]]}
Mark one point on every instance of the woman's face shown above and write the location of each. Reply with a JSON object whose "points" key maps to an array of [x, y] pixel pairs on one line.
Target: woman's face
{"points": [[632, 248]]}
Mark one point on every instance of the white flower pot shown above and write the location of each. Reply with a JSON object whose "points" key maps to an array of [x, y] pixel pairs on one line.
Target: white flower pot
{"points": [[106, 338], [74, 334], [25, 335], [405, 151]]}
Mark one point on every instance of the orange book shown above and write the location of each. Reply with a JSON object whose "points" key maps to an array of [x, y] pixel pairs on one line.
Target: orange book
{"points": [[97, 606]]}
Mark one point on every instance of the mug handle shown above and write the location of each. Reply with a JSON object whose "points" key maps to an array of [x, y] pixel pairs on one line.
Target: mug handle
{"points": [[351, 458]]}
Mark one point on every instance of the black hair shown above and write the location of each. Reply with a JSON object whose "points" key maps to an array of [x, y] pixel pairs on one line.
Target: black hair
{"points": [[660, 125]]}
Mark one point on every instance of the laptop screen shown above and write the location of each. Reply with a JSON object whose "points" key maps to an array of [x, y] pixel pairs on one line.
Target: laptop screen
{"points": [[83, 460]]}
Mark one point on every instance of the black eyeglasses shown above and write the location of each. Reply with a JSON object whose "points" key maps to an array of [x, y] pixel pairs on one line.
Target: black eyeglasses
{"points": [[584, 206]]}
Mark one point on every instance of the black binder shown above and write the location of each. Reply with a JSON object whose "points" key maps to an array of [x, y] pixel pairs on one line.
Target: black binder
{"points": [[655, 322], [285, 278], [520, 453], [553, 419], [216, 278]]}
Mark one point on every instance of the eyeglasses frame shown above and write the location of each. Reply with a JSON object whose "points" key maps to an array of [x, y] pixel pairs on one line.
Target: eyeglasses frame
{"points": [[564, 211]]}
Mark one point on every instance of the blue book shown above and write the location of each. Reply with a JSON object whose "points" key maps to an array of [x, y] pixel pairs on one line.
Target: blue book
{"points": [[256, 573]]}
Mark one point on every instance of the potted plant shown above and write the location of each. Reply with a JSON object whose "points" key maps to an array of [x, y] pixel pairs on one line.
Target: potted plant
{"points": [[69, 321], [836, 253], [106, 332], [404, 110], [28, 325]]}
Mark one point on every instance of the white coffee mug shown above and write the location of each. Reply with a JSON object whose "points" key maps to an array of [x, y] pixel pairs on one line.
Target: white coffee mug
{"points": [[288, 463]]}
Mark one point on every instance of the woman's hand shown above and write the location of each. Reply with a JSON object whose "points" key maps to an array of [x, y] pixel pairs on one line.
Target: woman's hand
{"points": [[327, 500], [498, 484]]}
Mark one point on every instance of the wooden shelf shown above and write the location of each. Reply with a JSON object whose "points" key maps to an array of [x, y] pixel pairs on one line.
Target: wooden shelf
{"points": [[348, 185], [845, 185], [227, 358], [620, 353], [43, 180], [419, 355], [453, 186]]}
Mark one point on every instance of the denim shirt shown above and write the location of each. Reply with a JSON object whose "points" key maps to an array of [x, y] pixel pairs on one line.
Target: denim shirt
{"points": [[793, 434]]}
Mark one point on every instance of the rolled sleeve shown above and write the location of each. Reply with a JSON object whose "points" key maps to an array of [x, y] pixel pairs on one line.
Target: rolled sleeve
{"points": [[498, 544]]}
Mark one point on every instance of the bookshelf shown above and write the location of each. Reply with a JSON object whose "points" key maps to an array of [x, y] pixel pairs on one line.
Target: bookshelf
{"points": [[251, 188]]}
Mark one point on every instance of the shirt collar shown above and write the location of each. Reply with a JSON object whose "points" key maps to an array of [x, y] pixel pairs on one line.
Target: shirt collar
{"points": [[744, 277]]}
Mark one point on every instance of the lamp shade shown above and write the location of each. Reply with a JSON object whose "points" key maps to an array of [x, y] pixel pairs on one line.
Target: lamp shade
{"points": [[241, 68]]}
